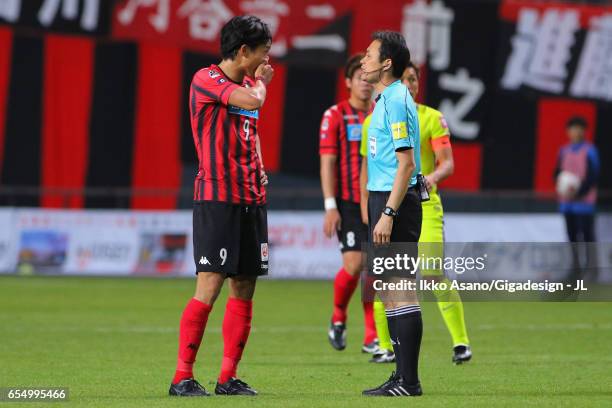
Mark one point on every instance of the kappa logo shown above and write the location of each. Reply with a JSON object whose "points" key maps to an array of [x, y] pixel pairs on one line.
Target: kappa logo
{"points": [[264, 251], [204, 261]]}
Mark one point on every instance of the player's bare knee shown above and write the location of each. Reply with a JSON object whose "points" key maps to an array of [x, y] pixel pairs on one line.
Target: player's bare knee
{"points": [[242, 288], [352, 262], [208, 287]]}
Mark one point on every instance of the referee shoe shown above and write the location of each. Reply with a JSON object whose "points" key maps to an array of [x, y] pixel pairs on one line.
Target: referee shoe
{"points": [[394, 387]]}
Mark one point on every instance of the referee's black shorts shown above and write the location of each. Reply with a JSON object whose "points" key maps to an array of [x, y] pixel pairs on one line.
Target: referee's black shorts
{"points": [[231, 239], [407, 222]]}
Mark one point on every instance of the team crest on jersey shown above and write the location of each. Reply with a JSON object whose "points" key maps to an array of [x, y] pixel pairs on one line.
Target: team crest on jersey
{"points": [[264, 252], [443, 122], [213, 74]]}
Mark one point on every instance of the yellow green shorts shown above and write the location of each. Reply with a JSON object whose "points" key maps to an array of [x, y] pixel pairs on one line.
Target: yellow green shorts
{"points": [[431, 242]]}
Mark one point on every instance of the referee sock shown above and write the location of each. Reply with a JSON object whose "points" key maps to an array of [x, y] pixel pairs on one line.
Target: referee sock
{"points": [[406, 328], [236, 329], [344, 286], [193, 323]]}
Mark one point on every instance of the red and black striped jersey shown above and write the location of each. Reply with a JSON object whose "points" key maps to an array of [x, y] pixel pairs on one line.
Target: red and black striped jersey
{"points": [[225, 139], [340, 135]]}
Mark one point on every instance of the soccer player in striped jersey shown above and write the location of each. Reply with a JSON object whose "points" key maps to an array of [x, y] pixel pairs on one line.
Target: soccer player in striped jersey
{"points": [[339, 140], [230, 233], [436, 165]]}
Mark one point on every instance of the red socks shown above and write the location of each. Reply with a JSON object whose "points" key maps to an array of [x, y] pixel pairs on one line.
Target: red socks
{"points": [[344, 286], [236, 329], [191, 331], [370, 325]]}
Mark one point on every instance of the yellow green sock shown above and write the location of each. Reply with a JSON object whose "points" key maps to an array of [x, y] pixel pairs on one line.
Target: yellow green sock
{"points": [[382, 328], [451, 307]]}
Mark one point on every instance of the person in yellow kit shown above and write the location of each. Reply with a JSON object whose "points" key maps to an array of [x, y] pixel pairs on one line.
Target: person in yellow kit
{"points": [[436, 164]]}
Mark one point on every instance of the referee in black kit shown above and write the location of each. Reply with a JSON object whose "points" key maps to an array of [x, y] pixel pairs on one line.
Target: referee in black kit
{"points": [[394, 196]]}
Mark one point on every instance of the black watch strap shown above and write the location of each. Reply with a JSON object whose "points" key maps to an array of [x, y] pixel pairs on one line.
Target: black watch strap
{"points": [[390, 212]]}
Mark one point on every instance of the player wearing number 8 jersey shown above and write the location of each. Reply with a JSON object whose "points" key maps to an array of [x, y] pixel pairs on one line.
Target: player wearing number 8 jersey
{"points": [[230, 236], [339, 139]]}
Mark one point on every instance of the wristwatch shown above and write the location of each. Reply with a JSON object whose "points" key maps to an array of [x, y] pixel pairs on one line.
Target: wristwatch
{"points": [[390, 212]]}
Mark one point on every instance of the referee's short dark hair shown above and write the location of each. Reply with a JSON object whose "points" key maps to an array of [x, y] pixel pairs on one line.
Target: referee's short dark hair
{"points": [[352, 65], [393, 46], [248, 30], [576, 121]]}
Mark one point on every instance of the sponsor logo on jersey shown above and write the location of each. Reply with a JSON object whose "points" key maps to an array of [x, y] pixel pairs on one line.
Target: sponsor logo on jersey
{"points": [[234, 110], [372, 145], [213, 74], [353, 133]]}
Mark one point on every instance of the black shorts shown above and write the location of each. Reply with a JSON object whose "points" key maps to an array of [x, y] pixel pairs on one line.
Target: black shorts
{"points": [[229, 238], [407, 222], [353, 232]]}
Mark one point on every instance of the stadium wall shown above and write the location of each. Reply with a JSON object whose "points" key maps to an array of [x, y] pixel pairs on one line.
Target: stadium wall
{"points": [[158, 243]]}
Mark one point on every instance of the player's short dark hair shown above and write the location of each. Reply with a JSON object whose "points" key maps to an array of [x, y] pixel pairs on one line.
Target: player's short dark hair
{"points": [[352, 65], [393, 46], [248, 30], [576, 121], [411, 64]]}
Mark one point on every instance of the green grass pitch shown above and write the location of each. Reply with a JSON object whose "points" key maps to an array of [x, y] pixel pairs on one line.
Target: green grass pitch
{"points": [[113, 343]]}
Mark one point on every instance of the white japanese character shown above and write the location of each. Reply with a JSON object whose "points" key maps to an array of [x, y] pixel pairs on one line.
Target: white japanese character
{"points": [[160, 20], [427, 29], [206, 18], [471, 89], [331, 42], [270, 12], [593, 77], [9, 10], [70, 11], [541, 50]]}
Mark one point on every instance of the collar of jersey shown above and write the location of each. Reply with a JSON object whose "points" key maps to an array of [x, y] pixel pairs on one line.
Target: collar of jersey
{"points": [[225, 75], [388, 89]]}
